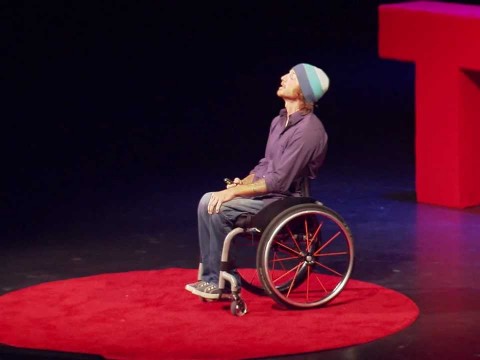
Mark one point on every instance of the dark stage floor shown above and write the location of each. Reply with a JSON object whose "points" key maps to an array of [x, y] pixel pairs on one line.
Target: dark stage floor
{"points": [[428, 253]]}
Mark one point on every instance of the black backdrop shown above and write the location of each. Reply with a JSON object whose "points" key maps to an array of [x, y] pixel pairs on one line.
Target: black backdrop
{"points": [[102, 93]]}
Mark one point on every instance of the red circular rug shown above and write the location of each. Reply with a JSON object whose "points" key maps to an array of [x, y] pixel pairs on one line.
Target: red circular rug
{"points": [[148, 315]]}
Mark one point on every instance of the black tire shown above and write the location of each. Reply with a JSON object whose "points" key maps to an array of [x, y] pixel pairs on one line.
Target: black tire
{"points": [[310, 272]]}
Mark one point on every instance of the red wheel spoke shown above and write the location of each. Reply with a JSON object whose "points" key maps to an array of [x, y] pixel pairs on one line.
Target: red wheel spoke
{"points": [[334, 253], [321, 284], [328, 268], [307, 240], [286, 258], [326, 244], [288, 249], [317, 231], [293, 238], [253, 277], [276, 261], [293, 281], [286, 273]]}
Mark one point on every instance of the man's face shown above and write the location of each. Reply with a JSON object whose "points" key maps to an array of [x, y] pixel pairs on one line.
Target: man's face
{"points": [[289, 88]]}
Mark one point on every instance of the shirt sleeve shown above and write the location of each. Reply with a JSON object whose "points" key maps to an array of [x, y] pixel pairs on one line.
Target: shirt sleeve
{"points": [[261, 166]]}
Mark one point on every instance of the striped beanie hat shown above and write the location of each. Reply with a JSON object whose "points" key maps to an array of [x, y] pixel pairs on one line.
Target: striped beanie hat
{"points": [[313, 81]]}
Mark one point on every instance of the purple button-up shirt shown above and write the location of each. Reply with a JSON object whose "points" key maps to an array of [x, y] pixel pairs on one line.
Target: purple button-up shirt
{"points": [[292, 153]]}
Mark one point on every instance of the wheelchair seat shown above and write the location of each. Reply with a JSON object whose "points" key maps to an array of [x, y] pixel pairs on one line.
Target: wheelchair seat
{"points": [[260, 220]]}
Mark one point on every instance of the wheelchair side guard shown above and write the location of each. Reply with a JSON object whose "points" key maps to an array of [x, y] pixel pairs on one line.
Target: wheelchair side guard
{"points": [[269, 212]]}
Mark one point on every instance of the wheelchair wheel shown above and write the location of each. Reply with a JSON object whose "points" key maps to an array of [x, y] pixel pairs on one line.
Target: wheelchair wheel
{"points": [[305, 256]]}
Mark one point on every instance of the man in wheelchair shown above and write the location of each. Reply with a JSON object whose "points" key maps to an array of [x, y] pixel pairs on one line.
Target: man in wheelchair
{"points": [[295, 150]]}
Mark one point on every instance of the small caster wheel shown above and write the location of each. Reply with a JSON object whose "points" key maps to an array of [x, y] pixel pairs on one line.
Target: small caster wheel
{"points": [[238, 307]]}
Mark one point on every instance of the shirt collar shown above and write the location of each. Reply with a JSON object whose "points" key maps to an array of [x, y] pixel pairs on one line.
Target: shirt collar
{"points": [[294, 118]]}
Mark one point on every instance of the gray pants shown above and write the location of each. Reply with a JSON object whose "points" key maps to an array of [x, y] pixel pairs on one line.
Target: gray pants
{"points": [[212, 230]]}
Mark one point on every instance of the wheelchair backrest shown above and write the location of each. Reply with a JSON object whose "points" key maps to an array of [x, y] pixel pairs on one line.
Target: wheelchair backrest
{"points": [[305, 186], [301, 187]]}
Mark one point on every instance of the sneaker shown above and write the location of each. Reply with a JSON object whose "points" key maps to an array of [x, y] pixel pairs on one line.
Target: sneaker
{"points": [[211, 291], [193, 286]]}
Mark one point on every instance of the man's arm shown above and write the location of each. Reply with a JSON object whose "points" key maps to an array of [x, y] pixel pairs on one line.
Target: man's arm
{"points": [[245, 181], [248, 179], [256, 188]]}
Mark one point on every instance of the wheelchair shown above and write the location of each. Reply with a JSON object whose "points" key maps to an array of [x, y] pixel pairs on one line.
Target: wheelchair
{"points": [[295, 250]]}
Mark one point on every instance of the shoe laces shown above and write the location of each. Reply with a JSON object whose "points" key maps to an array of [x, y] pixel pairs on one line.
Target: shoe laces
{"points": [[210, 287]]}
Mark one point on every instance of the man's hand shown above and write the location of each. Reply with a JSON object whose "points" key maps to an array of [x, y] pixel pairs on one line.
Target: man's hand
{"points": [[218, 198], [235, 182]]}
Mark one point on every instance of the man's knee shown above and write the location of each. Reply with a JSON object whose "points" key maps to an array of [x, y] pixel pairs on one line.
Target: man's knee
{"points": [[203, 203]]}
